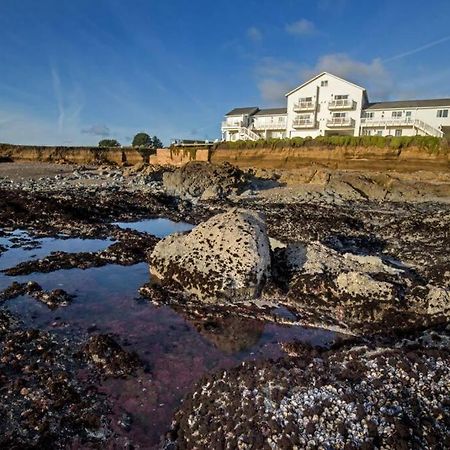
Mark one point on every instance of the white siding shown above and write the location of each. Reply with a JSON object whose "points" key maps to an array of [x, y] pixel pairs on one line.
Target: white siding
{"points": [[321, 98], [319, 116]]}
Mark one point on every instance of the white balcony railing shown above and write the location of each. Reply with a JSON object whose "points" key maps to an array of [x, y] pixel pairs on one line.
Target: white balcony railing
{"points": [[395, 121], [401, 122], [232, 124], [345, 103], [304, 106], [269, 125], [342, 122], [304, 123]]}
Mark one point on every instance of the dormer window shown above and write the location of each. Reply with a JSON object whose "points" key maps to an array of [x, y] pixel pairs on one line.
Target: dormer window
{"points": [[324, 83]]}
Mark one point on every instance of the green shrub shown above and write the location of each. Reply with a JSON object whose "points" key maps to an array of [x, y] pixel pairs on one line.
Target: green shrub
{"points": [[428, 143]]}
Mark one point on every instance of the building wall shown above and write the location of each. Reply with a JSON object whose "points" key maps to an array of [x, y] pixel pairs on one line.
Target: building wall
{"points": [[427, 115], [321, 96], [262, 125]]}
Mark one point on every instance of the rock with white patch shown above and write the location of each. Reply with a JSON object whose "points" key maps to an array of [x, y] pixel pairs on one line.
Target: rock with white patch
{"points": [[226, 257]]}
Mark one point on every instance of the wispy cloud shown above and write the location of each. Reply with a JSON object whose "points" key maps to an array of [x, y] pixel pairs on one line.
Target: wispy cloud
{"points": [[254, 34], [69, 102], [302, 27], [372, 74], [417, 49], [57, 89], [276, 77], [97, 130]]}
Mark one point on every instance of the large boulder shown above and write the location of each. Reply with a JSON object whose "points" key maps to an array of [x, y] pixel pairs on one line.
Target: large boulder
{"points": [[361, 292], [201, 180], [228, 256]]}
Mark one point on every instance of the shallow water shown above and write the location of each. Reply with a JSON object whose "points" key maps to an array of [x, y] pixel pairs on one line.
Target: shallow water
{"points": [[159, 227], [177, 352]]}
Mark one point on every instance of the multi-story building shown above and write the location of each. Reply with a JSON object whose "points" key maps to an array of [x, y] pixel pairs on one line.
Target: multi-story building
{"points": [[328, 105]]}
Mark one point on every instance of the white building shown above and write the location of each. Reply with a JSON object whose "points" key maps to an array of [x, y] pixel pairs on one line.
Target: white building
{"points": [[328, 105]]}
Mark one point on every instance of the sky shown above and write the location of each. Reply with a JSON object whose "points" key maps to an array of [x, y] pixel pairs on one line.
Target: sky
{"points": [[73, 72]]}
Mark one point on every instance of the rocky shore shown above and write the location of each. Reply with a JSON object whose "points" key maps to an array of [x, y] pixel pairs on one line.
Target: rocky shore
{"points": [[337, 256]]}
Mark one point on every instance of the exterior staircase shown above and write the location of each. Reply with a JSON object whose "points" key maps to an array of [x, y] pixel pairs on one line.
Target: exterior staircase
{"points": [[428, 129], [246, 134]]}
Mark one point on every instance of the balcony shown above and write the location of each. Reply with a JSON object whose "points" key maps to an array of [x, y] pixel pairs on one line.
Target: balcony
{"points": [[304, 106], [341, 122], [269, 125], [397, 122], [304, 123], [232, 124], [388, 122], [345, 103]]}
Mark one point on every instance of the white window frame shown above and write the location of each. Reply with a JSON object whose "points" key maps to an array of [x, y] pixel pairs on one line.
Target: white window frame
{"points": [[398, 133], [397, 114], [324, 83], [442, 113]]}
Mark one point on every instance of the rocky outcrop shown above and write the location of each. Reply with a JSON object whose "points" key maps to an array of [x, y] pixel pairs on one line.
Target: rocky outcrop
{"points": [[360, 291], [392, 395], [228, 256], [204, 181]]}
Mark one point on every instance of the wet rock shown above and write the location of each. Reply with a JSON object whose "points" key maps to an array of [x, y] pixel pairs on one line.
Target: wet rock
{"points": [[360, 291], [199, 180], [109, 357], [42, 402], [385, 395], [53, 299], [228, 256]]}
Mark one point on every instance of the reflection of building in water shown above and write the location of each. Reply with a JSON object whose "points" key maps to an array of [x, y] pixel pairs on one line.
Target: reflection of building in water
{"points": [[230, 334]]}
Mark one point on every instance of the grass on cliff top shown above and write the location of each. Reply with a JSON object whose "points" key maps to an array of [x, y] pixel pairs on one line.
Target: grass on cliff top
{"points": [[428, 143]]}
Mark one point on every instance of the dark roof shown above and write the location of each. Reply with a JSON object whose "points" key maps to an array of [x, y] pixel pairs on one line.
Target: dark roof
{"points": [[240, 111], [410, 104], [271, 111]]}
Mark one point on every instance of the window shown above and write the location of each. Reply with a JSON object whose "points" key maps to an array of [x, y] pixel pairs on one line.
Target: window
{"points": [[398, 133], [280, 119], [396, 114], [303, 116], [442, 113], [379, 133], [339, 115], [305, 99], [341, 97], [324, 83], [367, 115], [408, 113]]}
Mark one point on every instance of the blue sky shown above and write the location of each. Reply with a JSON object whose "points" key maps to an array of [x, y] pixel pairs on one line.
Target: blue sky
{"points": [[75, 71]]}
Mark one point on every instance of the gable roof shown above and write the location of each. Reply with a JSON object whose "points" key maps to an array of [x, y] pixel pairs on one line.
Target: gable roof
{"points": [[409, 104], [271, 111], [318, 76], [241, 111]]}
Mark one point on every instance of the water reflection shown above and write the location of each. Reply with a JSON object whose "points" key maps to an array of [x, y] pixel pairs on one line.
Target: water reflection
{"points": [[159, 227], [178, 349]]}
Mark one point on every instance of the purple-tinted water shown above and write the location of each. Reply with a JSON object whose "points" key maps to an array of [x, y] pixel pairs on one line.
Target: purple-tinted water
{"points": [[176, 351]]}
